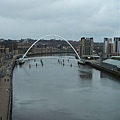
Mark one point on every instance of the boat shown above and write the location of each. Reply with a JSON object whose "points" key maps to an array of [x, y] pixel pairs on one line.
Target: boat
{"points": [[21, 62], [81, 62]]}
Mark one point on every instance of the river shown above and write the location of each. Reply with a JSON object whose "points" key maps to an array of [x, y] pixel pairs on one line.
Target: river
{"points": [[54, 91]]}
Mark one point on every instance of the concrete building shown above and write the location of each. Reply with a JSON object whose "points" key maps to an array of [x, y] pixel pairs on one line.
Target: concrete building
{"points": [[108, 46], [2, 49], [7, 50], [43, 50], [86, 46], [15, 52], [23, 46], [116, 47], [111, 48]]}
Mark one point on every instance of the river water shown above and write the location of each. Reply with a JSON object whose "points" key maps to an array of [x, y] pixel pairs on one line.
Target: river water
{"points": [[63, 92]]}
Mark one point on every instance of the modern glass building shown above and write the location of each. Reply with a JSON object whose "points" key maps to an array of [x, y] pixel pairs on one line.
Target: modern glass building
{"points": [[86, 46]]}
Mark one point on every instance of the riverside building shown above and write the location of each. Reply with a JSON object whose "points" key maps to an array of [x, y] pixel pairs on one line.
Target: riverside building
{"points": [[116, 47], [111, 64], [108, 47], [86, 47]]}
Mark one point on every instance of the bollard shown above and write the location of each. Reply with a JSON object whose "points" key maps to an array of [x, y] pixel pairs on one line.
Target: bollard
{"points": [[36, 64], [41, 62], [29, 65]]}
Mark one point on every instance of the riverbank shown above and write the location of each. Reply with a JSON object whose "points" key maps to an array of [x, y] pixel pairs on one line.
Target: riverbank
{"points": [[98, 66], [6, 89]]}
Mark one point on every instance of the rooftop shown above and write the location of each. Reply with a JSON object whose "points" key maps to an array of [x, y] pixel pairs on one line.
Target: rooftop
{"points": [[113, 62]]}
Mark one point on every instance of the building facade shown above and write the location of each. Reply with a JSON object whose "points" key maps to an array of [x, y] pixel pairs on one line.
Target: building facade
{"points": [[116, 47], [86, 46], [108, 46]]}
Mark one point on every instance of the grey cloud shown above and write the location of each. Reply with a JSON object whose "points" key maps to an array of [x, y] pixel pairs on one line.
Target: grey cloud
{"points": [[71, 19]]}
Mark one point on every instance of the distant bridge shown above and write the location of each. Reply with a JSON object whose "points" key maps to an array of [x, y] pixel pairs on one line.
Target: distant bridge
{"points": [[56, 52], [48, 36], [55, 36]]}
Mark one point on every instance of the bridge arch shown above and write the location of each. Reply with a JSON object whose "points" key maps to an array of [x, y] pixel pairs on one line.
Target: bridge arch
{"points": [[48, 36]]}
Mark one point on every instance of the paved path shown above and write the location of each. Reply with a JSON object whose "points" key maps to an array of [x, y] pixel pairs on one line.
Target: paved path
{"points": [[5, 90]]}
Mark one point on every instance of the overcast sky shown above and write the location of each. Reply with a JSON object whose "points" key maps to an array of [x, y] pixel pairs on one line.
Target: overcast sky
{"points": [[71, 19]]}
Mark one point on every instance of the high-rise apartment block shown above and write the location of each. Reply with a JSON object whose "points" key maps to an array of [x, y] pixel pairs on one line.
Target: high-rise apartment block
{"points": [[86, 46], [116, 47], [108, 46], [111, 48]]}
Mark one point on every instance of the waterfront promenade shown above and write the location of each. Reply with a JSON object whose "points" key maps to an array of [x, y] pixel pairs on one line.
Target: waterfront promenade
{"points": [[5, 89], [99, 66]]}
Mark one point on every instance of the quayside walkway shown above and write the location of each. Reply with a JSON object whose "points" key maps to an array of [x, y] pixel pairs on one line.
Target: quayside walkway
{"points": [[6, 89], [100, 67]]}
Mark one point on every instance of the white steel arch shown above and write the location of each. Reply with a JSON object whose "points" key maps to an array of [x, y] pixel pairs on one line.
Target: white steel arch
{"points": [[48, 36]]}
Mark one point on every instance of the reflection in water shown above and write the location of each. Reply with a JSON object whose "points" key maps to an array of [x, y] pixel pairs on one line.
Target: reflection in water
{"points": [[103, 75], [85, 72], [106, 75], [85, 75]]}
